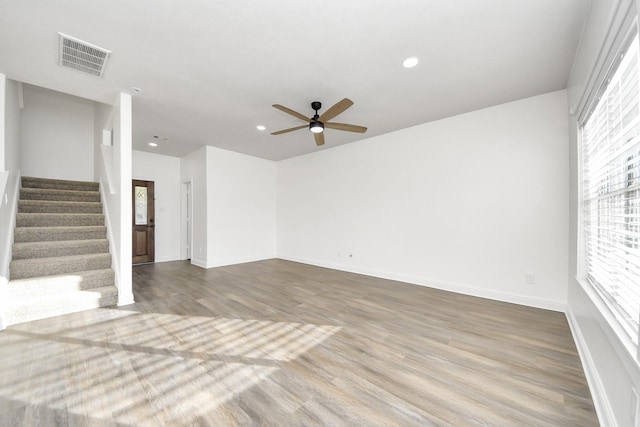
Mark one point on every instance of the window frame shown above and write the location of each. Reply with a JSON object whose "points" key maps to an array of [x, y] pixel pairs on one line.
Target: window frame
{"points": [[609, 63]]}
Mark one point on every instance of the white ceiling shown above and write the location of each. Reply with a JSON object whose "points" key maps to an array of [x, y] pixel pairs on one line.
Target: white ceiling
{"points": [[210, 70]]}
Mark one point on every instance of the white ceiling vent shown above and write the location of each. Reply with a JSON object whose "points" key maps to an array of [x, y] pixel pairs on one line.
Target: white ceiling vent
{"points": [[82, 56]]}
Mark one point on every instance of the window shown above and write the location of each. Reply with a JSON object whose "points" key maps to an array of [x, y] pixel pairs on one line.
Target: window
{"points": [[611, 191]]}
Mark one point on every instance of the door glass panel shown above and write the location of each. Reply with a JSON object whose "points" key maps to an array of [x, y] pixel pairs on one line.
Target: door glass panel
{"points": [[141, 205]]}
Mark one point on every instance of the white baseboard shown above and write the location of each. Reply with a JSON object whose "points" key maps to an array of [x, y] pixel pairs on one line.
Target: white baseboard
{"points": [[125, 299], [229, 261], [600, 401], [438, 284], [199, 263], [239, 260], [168, 259]]}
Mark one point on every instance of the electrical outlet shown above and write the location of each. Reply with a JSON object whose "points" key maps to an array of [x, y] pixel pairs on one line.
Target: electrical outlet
{"points": [[530, 279]]}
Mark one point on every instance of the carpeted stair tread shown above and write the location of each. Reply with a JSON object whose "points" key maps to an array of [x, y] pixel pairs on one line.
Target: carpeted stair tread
{"points": [[58, 219], [49, 305], [58, 248], [59, 195], [33, 287], [58, 184], [37, 234], [25, 268], [60, 257], [52, 206]]}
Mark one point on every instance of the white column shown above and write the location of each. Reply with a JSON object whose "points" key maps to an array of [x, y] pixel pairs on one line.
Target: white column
{"points": [[123, 148]]}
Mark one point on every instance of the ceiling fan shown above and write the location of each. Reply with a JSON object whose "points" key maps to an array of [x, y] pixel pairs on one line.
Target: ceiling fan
{"points": [[318, 123]]}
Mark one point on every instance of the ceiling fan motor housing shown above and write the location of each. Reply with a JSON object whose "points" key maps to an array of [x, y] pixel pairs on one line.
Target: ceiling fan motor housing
{"points": [[316, 126]]}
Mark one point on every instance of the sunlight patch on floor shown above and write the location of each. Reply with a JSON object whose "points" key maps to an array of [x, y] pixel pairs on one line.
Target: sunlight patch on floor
{"points": [[134, 367]]}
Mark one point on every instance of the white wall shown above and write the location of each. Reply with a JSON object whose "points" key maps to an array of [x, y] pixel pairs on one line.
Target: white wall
{"points": [[165, 172], [612, 370], [12, 127], [56, 133], [193, 168], [10, 116], [9, 169], [234, 206], [241, 208], [470, 203]]}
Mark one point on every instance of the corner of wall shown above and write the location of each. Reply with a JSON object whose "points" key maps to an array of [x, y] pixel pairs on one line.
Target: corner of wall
{"points": [[199, 263], [115, 186]]}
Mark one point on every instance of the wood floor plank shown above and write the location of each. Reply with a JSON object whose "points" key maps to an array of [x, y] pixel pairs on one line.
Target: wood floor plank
{"points": [[278, 343]]}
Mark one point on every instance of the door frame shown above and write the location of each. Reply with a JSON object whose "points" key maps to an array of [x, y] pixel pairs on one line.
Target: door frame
{"points": [[186, 220], [151, 248]]}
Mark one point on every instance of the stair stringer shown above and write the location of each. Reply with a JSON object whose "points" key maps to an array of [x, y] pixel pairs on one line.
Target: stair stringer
{"points": [[7, 250], [124, 298]]}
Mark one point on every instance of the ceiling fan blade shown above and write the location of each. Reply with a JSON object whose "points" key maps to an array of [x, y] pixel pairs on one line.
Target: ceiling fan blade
{"points": [[319, 138], [293, 113], [289, 130], [344, 126], [338, 108]]}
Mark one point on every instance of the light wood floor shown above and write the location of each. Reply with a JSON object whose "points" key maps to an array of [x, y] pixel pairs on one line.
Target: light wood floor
{"points": [[278, 343]]}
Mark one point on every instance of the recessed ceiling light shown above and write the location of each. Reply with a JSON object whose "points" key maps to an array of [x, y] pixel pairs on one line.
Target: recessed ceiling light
{"points": [[136, 90], [260, 127], [410, 62], [153, 144]]}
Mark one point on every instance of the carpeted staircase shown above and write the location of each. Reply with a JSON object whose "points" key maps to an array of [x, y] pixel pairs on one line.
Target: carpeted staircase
{"points": [[61, 262]]}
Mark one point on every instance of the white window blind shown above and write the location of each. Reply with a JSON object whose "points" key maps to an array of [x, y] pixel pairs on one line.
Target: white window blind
{"points": [[611, 192]]}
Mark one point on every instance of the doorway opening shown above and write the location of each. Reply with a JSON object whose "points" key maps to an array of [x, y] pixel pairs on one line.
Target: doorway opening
{"points": [[187, 220], [143, 221]]}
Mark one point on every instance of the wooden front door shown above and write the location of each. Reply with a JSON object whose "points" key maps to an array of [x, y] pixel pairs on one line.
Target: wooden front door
{"points": [[143, 222]]}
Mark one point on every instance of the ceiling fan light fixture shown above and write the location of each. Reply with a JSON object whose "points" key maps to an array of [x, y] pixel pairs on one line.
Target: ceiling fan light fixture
{"points": [[316, 127]]}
